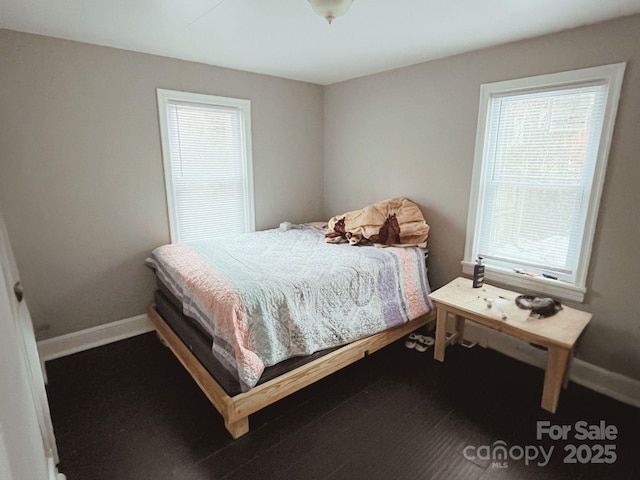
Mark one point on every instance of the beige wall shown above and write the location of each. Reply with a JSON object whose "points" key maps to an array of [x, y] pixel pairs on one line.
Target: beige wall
{"points": [[82, 193], [81, 180], [411, 132]]}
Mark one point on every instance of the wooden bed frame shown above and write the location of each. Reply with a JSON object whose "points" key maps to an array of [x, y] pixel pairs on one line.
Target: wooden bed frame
{"points": [[236, 410]]}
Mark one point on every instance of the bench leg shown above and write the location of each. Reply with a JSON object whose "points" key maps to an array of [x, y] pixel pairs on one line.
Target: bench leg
{"points": [[565, 381], [554, 377], [460, 321], [441, 332]]}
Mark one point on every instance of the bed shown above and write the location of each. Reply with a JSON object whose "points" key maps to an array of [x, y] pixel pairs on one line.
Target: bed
{"points": [[256, 317]]}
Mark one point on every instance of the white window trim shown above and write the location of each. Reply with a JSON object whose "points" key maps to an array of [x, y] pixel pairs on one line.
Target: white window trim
{"points": [[612, 75], [164, 97]]}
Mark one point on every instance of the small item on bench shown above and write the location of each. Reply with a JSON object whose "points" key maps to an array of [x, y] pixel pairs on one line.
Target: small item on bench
{"points": [[478, 273], [491, 302], [541, 306]]}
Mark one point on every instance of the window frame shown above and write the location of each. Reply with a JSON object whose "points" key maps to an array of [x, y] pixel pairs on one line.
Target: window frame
{"points": [[243, 106], [609, 75]]}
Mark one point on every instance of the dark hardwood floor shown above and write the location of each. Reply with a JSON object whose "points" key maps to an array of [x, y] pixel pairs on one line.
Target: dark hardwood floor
{"points": [[129, 411]]}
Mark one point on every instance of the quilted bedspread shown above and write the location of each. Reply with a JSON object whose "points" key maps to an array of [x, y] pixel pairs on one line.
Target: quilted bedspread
{"points": [[271, 295]]}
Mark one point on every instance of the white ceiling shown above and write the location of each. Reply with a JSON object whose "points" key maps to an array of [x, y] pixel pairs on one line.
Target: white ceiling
{"points": [[285, 38]]}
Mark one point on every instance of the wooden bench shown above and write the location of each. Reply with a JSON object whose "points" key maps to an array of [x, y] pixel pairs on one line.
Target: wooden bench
{"points": [[558, 333]]}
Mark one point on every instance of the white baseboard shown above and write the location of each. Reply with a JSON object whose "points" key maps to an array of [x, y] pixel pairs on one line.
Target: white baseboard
{"points": [[75, 342], [611, 384]]}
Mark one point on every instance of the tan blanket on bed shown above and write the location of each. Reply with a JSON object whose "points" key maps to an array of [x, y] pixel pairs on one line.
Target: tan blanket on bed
{"points": [[397, 221]]}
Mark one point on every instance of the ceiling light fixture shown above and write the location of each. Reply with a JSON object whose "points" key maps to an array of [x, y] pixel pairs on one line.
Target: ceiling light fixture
{"points": [[330, 9]]}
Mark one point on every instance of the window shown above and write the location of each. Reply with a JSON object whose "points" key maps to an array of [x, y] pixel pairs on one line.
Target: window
{"points": [[541, 152], [206, 146]]}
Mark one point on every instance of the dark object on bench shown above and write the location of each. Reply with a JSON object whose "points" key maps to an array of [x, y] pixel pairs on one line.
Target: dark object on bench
{"points": [[541, 306]]}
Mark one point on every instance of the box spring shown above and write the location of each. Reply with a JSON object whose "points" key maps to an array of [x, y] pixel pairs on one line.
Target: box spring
{"points": [[199, 343]]}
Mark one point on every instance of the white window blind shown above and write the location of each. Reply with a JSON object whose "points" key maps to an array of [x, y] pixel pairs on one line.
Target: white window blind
{"points": [[207, 165], [540, 159]]}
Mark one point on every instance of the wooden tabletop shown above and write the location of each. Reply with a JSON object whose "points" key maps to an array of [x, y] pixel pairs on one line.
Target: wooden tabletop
{"points": [[561, 329]]}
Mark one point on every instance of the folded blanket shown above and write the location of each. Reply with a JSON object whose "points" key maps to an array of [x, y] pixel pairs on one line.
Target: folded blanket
{"points": [[397, 222]]}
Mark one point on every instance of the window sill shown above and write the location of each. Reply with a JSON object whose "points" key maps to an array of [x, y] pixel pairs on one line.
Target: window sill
{"points": [[540, 285]]}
